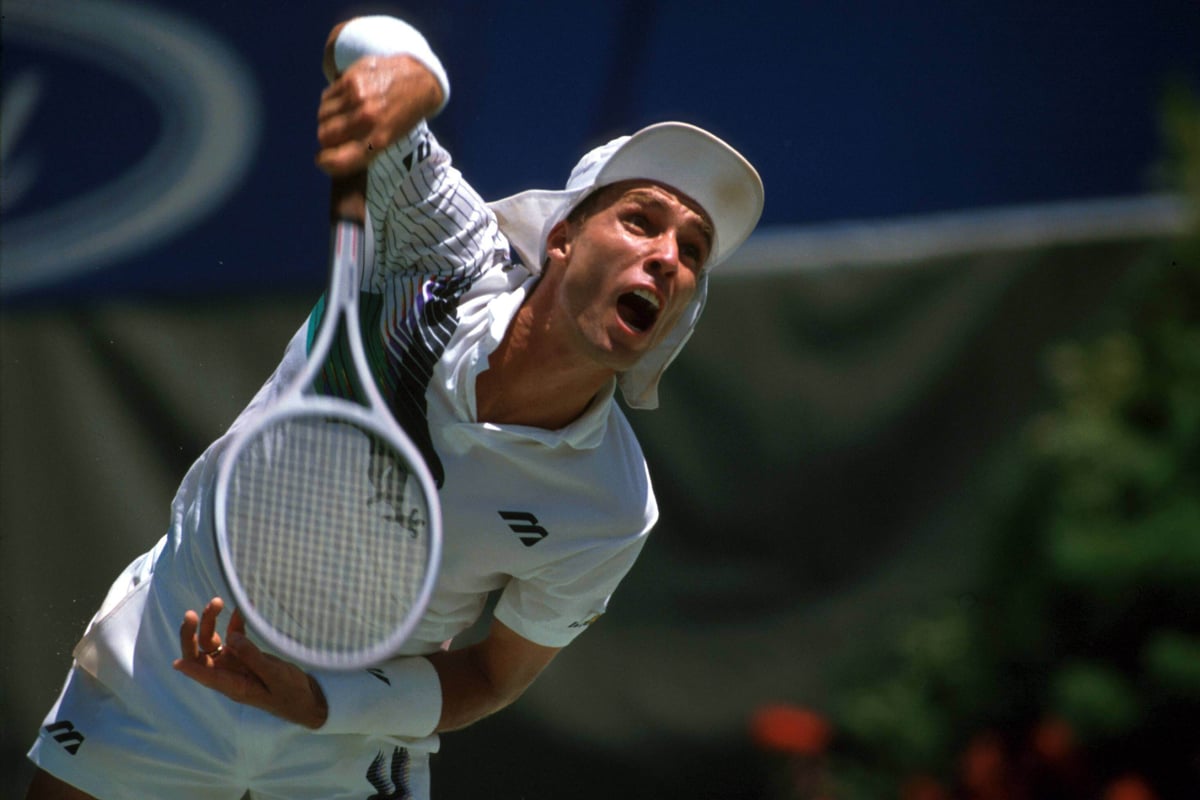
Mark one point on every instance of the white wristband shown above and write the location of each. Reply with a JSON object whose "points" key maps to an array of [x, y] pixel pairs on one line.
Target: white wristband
{"points": [[401, 697], [387, 36]]}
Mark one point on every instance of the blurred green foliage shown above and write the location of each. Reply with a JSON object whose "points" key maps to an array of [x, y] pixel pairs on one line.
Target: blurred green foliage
{"points": [[1089, 608]]}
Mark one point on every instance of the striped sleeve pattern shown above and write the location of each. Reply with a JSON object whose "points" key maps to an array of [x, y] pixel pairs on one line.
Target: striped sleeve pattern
{"points": [[427, 219], [434, 237]]}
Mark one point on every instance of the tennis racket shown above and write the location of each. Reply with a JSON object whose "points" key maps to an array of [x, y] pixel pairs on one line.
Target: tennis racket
{"points": [[328, 526]]}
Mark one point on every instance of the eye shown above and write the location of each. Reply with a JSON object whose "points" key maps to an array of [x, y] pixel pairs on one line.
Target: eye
{"points": [[693, 254], [637, 220]]}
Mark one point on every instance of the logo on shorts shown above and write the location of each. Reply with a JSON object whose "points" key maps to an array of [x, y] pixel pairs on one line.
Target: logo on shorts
{"points": [[65, 734], [526, 526], [394, 785]]}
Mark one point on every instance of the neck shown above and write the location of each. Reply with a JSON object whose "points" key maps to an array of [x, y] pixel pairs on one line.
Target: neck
{"points": [[534, 378]]}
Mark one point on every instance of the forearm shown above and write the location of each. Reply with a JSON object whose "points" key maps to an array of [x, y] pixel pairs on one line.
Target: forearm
{"points": [[483, 678], [468, 694]]}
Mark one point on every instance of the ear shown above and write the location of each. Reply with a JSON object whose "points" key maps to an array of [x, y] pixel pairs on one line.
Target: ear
{"points": [[559, 241]]}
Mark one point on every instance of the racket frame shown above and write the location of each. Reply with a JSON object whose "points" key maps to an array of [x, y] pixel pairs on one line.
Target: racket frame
{"points": [[341, 307]]}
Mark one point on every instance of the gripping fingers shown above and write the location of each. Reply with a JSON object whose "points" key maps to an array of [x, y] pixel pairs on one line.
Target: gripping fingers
{"points": [[374, 103], [346, 140], [346, 159]]}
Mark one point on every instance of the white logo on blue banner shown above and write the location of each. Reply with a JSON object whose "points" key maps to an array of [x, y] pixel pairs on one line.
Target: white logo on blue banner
{"points": [[207, 102]]}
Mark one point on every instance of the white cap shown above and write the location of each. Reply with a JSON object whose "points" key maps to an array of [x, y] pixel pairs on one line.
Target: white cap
{"points": [[677, 155]]}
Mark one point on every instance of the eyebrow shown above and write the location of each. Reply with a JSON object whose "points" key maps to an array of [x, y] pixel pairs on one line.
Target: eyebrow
{"points": [[651, 198]]}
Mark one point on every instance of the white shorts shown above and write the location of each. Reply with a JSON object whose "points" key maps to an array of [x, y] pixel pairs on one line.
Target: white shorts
{"points": [[127, 725], [93, 741]]}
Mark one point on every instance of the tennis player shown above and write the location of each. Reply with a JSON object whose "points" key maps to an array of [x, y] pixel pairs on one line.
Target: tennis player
{"points": [[506, 331]]}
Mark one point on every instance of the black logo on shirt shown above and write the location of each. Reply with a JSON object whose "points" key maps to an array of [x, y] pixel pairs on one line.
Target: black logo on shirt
{"points": [[418, 155], [393, 786], [525, 525], [64, 732]]}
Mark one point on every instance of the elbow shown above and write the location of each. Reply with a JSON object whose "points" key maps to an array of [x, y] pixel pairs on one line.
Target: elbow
{"points": [[500, 689]]}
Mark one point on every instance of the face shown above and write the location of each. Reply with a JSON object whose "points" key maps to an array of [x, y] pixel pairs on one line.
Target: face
{"points": [[628, 268]]}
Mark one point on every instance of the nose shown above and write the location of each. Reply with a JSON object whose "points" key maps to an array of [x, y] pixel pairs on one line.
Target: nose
{"points": [[665, 257]]}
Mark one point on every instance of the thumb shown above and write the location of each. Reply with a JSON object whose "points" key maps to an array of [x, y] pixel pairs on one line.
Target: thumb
{"points": [[246, 651], [239, 644], [237, 623], [282, 688], [271, 671]]}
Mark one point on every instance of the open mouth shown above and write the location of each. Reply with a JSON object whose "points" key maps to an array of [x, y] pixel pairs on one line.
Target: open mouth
{"points": [[638, 309]]}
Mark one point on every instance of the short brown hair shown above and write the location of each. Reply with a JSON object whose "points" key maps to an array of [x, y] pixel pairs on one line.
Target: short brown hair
{"points": [[594, 201], [590, 204]]}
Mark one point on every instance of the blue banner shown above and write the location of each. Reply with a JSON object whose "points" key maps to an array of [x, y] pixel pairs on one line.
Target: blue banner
{"points": [[165, 148]]}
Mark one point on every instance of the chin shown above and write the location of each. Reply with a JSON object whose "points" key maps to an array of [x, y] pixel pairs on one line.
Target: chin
{"points": [[618, 358]]}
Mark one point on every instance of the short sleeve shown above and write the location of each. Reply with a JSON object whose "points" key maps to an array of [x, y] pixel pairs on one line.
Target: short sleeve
{"points": [[558, 602]]}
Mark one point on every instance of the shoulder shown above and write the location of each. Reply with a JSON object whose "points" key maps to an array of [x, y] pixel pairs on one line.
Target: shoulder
{"points": [[620, 476], [626, 446]]}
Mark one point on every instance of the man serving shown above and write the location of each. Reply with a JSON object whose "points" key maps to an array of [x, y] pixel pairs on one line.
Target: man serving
{"points": [[507, 330]]}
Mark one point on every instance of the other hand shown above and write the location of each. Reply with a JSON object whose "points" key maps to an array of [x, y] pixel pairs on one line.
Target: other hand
{"points": [[236, 668]]}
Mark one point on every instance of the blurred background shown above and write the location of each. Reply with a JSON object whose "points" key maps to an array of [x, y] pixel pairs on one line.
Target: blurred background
{"points": [[929, 469]]}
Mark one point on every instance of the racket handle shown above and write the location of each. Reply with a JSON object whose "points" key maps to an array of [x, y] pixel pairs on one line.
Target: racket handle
{"points": [[348, 198]]}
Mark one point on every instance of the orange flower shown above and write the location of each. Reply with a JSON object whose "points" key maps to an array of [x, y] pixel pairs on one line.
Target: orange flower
{"points": [[790, 729], [1053, 741], [984, 765], [1129, 787], [923, 787]]}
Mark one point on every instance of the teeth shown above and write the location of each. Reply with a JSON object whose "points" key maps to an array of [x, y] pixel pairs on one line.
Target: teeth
{"points": [[648, 296]]}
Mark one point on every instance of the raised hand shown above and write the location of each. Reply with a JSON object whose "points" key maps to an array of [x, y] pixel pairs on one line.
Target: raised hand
{"points": [[374, 103]]}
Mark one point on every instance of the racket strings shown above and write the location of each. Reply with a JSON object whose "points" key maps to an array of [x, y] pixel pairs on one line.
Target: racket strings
{"points": [[329, 533]]}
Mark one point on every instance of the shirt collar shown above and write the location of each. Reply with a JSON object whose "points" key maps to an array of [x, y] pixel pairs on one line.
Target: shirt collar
{"points": [[585, 432]]}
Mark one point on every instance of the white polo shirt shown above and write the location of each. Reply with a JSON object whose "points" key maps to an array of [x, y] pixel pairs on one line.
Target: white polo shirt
{"points": [[553, 519]]}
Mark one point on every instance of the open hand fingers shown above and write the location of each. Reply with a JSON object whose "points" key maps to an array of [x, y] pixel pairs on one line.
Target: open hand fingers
{"points": [[188, 649], [208, 660], [244, 673], [207, 638], [198, 637]]}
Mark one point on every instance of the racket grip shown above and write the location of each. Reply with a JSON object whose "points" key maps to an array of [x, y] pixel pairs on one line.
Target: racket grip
{"points": [[348, 198]]}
